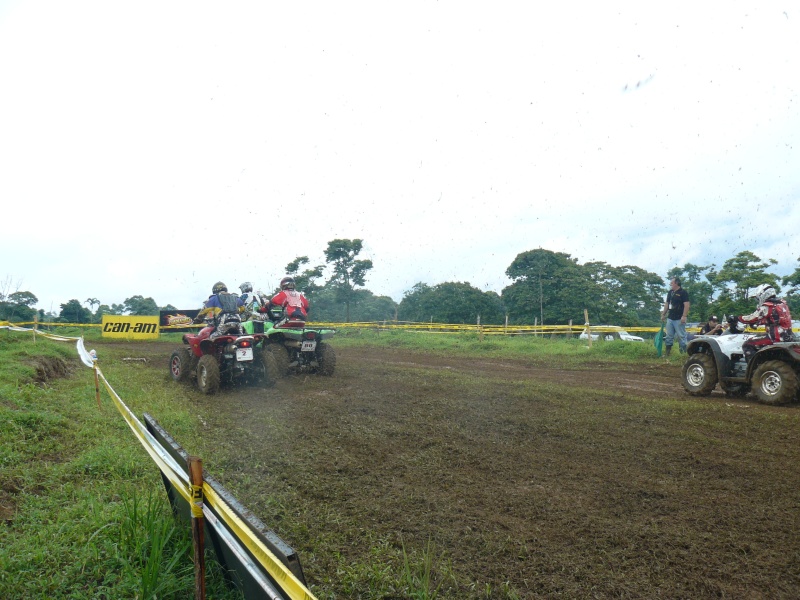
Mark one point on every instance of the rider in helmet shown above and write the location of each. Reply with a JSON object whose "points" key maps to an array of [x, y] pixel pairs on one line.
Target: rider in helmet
{"points": [[252, 301], [770, 312], [295, 306], [223, 309]]}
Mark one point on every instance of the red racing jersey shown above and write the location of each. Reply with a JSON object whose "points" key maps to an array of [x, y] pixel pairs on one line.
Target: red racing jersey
{"points": [[291, 301]]}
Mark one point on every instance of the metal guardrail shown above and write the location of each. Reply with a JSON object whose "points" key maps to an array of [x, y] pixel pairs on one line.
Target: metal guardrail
{"points": [[241, 564]]}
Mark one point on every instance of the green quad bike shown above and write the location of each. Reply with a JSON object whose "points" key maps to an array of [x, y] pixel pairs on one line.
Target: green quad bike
{"points": [[296, 348]]}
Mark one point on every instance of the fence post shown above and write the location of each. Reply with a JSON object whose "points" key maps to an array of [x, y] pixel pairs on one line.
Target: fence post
{"points": [[96, 383], [588, 328], [198, 541]]}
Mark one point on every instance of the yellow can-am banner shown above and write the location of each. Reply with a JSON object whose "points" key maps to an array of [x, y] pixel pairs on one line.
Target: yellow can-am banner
{"points": [[140, 328]]}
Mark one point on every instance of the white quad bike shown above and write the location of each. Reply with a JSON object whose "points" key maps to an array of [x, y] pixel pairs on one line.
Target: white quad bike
{"points": [[773, 372]]}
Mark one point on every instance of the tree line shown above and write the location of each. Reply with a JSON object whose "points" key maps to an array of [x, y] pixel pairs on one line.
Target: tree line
{"points": [[546, 287]]}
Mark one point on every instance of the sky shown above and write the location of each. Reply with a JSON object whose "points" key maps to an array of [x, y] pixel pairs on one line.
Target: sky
{"points": [[154, 148]]}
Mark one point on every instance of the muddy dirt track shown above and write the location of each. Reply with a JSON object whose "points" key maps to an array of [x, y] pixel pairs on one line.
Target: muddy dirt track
{"points": [[526, 480]]}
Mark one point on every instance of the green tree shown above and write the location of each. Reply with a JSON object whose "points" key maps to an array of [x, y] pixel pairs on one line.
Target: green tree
{"points": [[105, 309], [549, 286], [18, 306], [738, 275], [365, 307], [139, 306], [451, 302], [348, 272], [74, 312], [92, 302], [793, 280], [635, 296], [305, 282], [370, 307], [792, 294]]}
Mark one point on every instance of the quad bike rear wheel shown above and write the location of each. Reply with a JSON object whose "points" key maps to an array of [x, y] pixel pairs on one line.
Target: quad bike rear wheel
{"points": [[271, 371], [326, 359], [699, 374], [208, 374], [181, 364], [775, 382], [281, 357]]}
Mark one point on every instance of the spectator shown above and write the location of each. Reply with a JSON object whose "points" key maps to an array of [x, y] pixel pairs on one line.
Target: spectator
{"points": [[711, 327], [676, 309]]}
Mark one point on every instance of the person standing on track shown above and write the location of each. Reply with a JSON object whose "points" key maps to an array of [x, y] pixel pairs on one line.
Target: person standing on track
{"points": [[676, 309]]}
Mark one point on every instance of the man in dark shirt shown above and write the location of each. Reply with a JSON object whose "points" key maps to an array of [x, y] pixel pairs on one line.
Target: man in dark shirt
{"points": [[676, 309]]}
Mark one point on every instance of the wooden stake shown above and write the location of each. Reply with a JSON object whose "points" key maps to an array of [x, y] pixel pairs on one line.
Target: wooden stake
{"points": [[96, 384], [196, 481], [588, 328]]}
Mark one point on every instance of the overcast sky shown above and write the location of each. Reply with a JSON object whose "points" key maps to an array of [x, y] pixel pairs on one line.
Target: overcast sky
{"points": [[154, 148]]}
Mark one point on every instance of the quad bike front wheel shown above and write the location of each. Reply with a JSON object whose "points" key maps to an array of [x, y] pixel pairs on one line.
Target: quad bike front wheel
{"points": [[208, 374], [699, 374], [775, 382], [181, 364]]}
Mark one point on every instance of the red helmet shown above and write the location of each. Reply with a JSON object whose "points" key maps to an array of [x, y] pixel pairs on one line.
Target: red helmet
{"points": [[287, 283]]}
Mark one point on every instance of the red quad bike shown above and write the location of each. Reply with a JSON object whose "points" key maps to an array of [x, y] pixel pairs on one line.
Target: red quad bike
{"points": [[229, 358]]}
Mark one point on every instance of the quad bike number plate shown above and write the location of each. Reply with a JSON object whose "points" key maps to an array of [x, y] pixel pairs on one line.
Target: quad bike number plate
{"points": [[244, 354], [308, 346]]}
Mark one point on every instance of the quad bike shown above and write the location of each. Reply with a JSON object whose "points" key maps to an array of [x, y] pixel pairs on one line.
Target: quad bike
{"points": [[773, 373], [229, 358], [296, 348]]}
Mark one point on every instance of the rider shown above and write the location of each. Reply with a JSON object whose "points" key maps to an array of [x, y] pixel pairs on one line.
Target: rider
{"points": [[225, 310], [773, 314], [252, 301], [295, 306]]}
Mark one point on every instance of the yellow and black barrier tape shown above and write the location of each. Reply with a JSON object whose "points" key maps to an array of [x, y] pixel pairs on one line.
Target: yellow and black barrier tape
{"points": [[422, 327]]}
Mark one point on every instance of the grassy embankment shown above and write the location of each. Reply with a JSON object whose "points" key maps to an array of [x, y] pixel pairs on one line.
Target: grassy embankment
{"points": [[84, 510]]}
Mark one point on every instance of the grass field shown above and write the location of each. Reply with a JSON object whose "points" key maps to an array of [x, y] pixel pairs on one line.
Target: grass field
{"points": [[428, 466]]}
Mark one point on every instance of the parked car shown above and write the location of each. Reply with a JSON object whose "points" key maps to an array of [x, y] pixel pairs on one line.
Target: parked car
{"points": [[610, 333]]}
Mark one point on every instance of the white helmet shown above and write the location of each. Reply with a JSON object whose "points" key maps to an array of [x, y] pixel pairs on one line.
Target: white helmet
{"points": [[762, 293], [246, 287]]}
